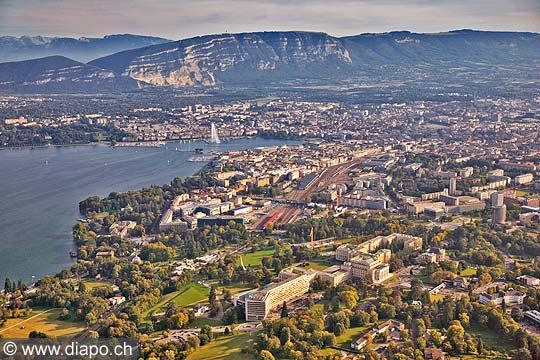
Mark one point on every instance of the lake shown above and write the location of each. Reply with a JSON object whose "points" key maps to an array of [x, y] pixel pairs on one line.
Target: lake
{"points": [[40, 190]]}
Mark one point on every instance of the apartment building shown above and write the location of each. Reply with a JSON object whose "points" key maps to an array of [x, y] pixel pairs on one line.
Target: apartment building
{"points": [[261, 302], [510, 297], [523, 179]]}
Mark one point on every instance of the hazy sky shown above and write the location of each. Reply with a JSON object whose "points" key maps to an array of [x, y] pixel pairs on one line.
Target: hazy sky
{"points": [[176, 19]]}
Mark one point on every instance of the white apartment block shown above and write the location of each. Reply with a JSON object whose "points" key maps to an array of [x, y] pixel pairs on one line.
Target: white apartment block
{"points": [[523, 179], [260, 303], [510, 297]]}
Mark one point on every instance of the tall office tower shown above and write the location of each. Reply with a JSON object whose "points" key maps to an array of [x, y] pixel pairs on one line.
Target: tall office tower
{"points": [[498, 212], [497, 199], [453, 183]]}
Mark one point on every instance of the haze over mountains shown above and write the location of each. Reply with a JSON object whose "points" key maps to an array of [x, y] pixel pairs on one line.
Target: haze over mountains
{"points": [[83, 49], [285, 58]]}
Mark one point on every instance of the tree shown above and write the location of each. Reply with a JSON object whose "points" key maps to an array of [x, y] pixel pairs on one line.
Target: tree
{"points": [[82, 287], [480, 346], [212, 297], [265, 355], [516, 313], [484, 279], [37, 335], [522, 354], [227, 295], [349, 298], [456, 336], [339, 329], [285, 336], [205, 335], [284, 311]]}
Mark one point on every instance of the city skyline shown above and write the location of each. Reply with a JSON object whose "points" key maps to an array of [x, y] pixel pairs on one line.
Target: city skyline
{"points": [[182, 19]]}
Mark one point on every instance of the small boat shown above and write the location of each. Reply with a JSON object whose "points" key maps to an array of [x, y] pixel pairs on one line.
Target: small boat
{"points": [[72, 253]]}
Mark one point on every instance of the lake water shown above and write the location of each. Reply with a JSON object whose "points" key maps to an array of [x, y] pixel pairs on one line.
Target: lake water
{"points": [[40, 190]]}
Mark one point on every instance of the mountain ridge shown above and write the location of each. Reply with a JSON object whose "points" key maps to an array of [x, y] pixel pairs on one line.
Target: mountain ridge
{"points": [[185, 62], [81, 49], [60, 74], [277, 58]]}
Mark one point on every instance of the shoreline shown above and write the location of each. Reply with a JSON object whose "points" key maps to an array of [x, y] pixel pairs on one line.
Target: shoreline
{"points": [[133, 143], [201, 167]]}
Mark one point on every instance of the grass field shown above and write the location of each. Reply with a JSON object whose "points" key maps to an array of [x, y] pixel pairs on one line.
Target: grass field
{"points": [[254, 259], [492, 340], [200, 322], [232, 287], [319, 264], [237, 288], [227, 347], [330, 351], [350, 334], [46, 322], [190, 295], [468, 272], [91, 284]]}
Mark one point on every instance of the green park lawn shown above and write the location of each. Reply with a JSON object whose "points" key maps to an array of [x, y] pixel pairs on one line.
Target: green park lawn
{"points": [[200, 322], [226, 347], [468, 272], [491, 339], [329, 351], [254, 259], [319, 264], [46, 322], [91, 284], [351, 334], [189, 295]]}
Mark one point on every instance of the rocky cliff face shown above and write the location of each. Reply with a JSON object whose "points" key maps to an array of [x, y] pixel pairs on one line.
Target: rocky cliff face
{"points": [[207, 60], [279, 59]]}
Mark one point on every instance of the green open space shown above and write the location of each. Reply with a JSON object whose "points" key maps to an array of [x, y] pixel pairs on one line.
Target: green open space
{"points": [[200, 322], [189, 295], [491, 339], [102, 215], [468, 272], [44, 321], [226, 347], [349, 335], [329, 351], [255, 258], [91, 284], [319, 264], [237, 288], [234, 287]]}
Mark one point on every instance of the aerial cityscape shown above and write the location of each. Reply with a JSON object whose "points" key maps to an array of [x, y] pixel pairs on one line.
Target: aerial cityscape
{"points": [[227, 186]]}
